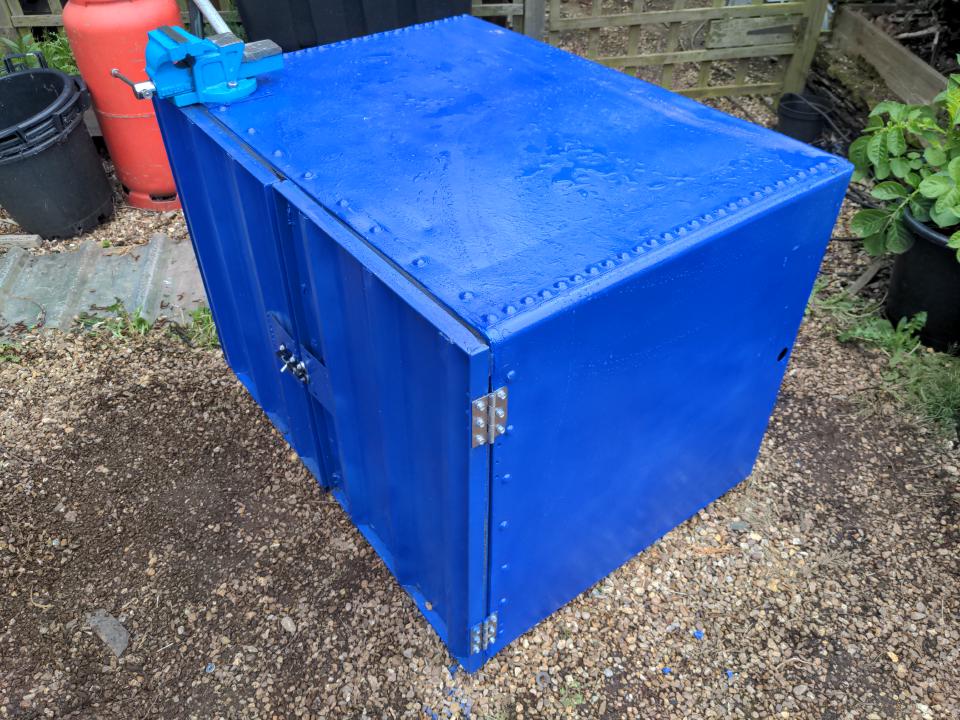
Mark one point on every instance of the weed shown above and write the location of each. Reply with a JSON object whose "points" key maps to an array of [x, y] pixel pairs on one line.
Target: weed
{"points": [[202, 332], [844, 309], [120, 324], [571, 695], [55, 48], [10, 353], [916, 377], [898, 343]]}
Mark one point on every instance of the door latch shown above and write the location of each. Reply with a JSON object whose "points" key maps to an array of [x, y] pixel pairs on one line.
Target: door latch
{"points": [[290, 362]]}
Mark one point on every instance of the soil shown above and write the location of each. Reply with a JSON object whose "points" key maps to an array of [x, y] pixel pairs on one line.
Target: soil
{"points": [[930, 28]]}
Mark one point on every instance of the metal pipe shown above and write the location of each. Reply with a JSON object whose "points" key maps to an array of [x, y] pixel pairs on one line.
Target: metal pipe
{"points": [[212, 16]]}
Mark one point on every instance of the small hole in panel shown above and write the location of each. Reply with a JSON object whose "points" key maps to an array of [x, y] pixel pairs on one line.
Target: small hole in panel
{"points": [[782, 355]]}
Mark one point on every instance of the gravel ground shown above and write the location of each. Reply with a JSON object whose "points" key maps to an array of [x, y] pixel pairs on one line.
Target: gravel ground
{"points": [[137, 477]]}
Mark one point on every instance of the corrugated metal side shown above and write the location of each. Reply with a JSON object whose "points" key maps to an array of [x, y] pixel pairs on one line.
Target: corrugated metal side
{"points": [[159, 279], [642, 402], [390, 431], [402, 373], [230, 211]]}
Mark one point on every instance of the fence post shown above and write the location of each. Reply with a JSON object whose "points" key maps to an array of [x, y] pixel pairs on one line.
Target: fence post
{"points": [[534, 18], [6, 24], [796, 73]]}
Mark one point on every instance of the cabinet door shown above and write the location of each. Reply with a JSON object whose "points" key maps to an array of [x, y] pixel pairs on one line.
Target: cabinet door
{"points": [[401, 371], [369, 378], [230, 208]]}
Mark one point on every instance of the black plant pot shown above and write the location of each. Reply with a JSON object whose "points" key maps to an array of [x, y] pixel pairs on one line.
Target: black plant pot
{"points": [[926, 278], [801, 116]]}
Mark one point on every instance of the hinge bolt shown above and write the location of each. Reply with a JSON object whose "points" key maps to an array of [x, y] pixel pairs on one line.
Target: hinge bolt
{"points": [[502, 394], [501, 429], [480, 422], [500, 412], [481, 405], [481, 440]]}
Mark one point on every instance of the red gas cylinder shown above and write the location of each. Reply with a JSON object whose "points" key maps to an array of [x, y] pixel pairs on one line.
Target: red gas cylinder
{"points": [[107, 34]]}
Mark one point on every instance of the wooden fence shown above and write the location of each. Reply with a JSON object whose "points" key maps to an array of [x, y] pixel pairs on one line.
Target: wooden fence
{"points": [[696, 36], [912, 79], [702, 48]]}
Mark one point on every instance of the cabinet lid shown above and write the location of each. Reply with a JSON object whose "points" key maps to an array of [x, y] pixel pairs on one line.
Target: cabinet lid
{"points": [[502, 174]]}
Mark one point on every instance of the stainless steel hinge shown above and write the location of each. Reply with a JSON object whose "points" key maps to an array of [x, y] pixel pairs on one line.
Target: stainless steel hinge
{"points": [[489, 417], [483, 635]]}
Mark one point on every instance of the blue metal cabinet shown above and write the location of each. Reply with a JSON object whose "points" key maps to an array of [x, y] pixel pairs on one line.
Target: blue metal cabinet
{"points": [[522, 314]]}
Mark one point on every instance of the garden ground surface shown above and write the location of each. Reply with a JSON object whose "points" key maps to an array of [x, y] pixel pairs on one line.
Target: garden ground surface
{"points": [[138, 477]]}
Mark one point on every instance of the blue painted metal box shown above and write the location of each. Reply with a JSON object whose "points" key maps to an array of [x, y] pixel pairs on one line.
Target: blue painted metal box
{"points": [[521, 313]]}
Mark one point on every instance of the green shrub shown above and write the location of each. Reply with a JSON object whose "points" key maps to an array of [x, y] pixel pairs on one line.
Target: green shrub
{"points": [[54, 47]]}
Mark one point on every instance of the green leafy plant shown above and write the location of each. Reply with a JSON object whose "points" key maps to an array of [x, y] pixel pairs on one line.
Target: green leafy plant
{"points": [[926, 382], [54, 47], [898, 342], [23, 44], [120, 324], [910, 156]]}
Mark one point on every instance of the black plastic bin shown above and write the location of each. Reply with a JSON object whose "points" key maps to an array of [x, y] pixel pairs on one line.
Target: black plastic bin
{"points": [[926, 278], [801, 116], [297, 24], [51, 180]]}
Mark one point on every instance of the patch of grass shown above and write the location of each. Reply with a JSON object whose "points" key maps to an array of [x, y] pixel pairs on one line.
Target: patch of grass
{"points": [[54, 46], [202, 333], [120, 323], [915, 376], [10, 353]]}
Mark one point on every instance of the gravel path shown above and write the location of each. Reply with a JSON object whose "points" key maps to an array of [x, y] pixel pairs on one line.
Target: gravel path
{"points": [[138, 478]]}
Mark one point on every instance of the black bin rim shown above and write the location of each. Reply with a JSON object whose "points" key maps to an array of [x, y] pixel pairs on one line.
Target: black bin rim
{"points": [[38, 131], [801, 107], [924, 231]]}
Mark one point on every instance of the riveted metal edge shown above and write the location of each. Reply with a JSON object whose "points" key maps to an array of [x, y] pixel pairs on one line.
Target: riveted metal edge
{"points": [[603, 265], [675, 234], [304, 52]]}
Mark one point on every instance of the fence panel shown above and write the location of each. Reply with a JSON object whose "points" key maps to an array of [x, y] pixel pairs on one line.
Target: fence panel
{"points": [[701, 48]]}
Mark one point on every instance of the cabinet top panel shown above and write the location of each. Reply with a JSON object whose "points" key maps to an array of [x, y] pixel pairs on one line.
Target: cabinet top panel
{"points": [[502, 174]]}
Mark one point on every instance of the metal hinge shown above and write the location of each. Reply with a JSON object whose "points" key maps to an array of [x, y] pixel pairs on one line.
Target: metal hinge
{"points": [[489, 417], [483, 635]]}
